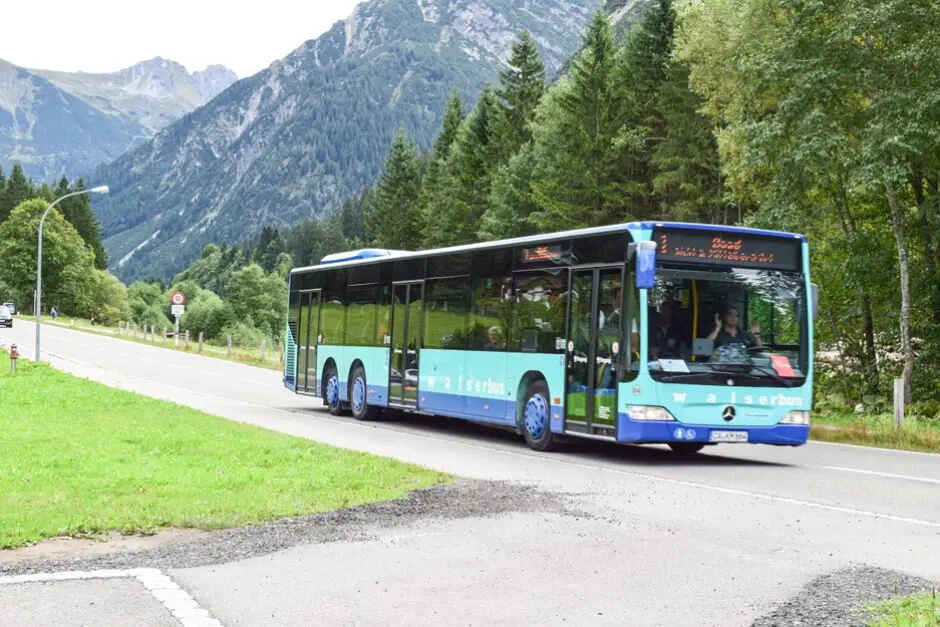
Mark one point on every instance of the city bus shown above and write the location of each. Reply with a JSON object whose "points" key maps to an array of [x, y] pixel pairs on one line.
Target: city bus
{"points": [[649, 332]]}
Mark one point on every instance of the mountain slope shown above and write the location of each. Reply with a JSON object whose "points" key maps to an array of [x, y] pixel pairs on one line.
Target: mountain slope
{"points": [[57, 123], [293, 141]]}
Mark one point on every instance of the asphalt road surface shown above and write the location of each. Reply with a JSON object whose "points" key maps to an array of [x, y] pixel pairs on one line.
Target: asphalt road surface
{"points": [[644, 538]]}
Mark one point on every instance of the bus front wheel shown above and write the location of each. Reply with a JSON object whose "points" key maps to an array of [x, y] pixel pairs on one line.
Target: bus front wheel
{"points": [[358, 397], [686, 448], [536, 419]]}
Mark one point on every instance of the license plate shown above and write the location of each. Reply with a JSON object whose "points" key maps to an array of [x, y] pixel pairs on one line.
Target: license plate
{"points": [[728, 436]]}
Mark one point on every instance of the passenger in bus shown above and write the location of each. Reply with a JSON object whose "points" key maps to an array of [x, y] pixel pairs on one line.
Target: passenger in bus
{"points": [[666, 335], [727, 331], [494, 340]]}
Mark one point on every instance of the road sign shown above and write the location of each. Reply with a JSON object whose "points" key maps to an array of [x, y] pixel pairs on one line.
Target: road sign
{"points": [[178, 298], [178, 310]]}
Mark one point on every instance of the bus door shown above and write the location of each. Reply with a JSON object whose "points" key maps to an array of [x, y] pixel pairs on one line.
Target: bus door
{"points": [[595, 338], [308, 327], [406, 340]]}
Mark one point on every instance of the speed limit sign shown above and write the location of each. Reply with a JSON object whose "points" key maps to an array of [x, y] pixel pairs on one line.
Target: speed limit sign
{"points": [[178, 298]]}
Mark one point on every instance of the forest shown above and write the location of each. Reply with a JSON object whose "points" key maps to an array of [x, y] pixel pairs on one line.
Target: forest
{"points": [[818, 117]]}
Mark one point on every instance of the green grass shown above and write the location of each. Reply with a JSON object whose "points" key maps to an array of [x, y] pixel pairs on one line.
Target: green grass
{"points": [[916, 434], [918, 610], [82, 459], [243, 355]]}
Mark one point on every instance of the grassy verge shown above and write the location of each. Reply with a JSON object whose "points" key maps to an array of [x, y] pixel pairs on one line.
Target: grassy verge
{"points": [[919, 610], [83, 459], [250, 356], [916, 434]]}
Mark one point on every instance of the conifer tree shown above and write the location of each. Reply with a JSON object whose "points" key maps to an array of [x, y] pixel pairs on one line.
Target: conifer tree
{"points": [[511, 204], [522, 87], [687, 177], [79, 212], [3, 192], [463, 193], [19, 188], [395, 218], [580, 142]]}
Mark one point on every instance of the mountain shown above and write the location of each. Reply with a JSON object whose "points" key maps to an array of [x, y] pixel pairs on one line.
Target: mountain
{"points": [[293, 141], [57, 123]]}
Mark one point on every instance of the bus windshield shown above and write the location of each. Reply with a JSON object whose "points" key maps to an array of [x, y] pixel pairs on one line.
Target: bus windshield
{"points": [[709, 326]]}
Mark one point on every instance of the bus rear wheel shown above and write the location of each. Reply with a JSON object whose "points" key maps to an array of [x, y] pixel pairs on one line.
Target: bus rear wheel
{"points": [[686, 448], [536, 421], [358, 397], [331, 393]]}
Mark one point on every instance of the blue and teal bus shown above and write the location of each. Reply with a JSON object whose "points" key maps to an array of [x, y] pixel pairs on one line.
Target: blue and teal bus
{"points": [[671, 333]]}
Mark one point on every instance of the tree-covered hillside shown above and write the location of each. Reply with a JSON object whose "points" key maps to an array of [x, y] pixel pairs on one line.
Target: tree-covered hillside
{"points": [[294, 141]]}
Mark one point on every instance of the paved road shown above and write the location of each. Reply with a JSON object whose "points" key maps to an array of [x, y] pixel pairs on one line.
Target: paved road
{"points": [[717, 540]]}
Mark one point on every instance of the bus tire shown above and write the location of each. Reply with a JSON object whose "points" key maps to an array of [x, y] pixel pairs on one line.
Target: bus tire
{"points": [[686, 448], [536, 418], [358, 397], [331, 392]]}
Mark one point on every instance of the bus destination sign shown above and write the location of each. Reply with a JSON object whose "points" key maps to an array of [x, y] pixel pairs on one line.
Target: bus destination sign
{"points": [[541, 253], [731, 249]]}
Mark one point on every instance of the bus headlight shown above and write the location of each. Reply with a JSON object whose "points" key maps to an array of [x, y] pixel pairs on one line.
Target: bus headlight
{"points": [[796, 417], [645, 412]]}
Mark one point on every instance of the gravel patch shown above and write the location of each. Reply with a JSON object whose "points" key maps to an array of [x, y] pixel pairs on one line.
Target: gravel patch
{"points": [[839, 598], [462, 499]]}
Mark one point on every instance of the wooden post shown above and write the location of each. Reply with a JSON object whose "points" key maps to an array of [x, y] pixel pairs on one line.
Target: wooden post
{"points": [[176, 340], [153, 334], [264, 350], [898, 403], [200, 342], [163, 337], [229, 349], [186, 345]]}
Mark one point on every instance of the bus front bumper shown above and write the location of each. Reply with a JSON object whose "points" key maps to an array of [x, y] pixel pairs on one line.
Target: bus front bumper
{"points": [[654, 432]]}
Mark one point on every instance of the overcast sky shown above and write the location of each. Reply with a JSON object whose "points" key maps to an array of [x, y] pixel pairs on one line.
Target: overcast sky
{"points": [[107, 35]]}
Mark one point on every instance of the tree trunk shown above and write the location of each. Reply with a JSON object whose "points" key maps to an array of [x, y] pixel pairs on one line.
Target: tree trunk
{"points": [[864, 300], [897, 222], [930, 251]]}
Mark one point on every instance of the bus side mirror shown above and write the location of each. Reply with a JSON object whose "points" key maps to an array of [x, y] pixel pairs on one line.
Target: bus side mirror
{"points": [[814, 294], [646, 265]]}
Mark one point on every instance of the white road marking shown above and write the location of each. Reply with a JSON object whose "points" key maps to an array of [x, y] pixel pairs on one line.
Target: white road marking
{"points": [[211, 374], [883, 474], [179, 602], [173, 366]]}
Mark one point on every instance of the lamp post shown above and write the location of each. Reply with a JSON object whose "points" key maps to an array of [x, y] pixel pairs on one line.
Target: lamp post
{"points": [[102, 189]]}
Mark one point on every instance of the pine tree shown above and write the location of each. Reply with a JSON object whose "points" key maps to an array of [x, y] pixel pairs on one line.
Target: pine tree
{"points": [[450, 125], [511, 202], [432, 184], [78, 211], [3, 192], [464, 190], [646, 57], [580, 177], [522, 87], [19, 188], [687, 177], [395, 219], [353, 216]]}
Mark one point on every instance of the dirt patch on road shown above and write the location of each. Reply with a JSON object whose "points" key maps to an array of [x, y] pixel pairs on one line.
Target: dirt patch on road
{"points": [[64, 547], [839, 598], [463, 499]]}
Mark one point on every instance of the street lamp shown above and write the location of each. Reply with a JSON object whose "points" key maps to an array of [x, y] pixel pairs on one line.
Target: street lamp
{"points": [[101, 189]]}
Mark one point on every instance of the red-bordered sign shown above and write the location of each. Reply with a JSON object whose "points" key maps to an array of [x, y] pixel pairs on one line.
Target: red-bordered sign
{"points": [[178, 298]]}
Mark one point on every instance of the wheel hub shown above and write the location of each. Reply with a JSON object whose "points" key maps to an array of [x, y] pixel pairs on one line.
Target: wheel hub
{"points": [[332, 391], [359, 393], [536, 416]]}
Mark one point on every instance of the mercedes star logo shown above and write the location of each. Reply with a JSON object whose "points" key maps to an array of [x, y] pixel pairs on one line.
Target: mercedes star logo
{"points": [[728, 414]]}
